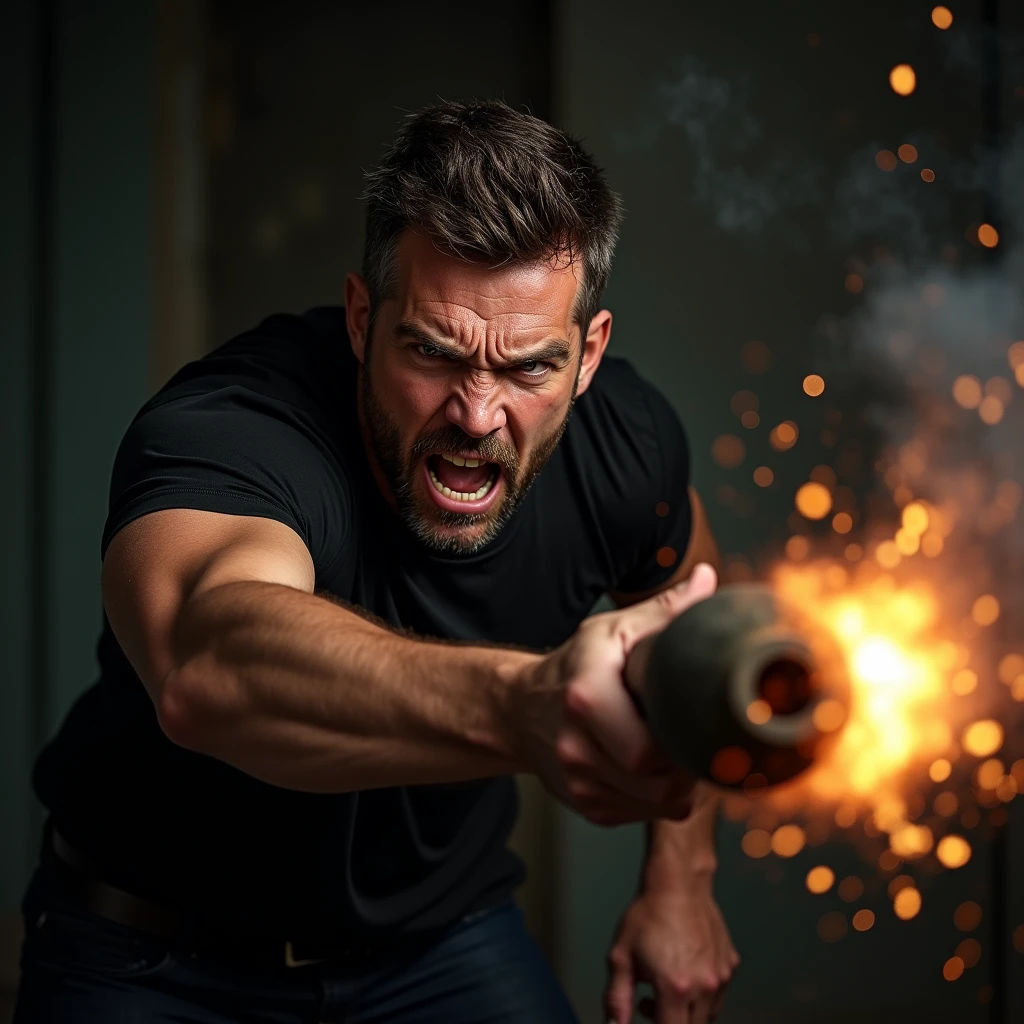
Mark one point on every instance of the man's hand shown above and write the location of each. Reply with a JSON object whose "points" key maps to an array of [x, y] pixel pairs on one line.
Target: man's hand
{"points": [[674, 938], [578, 728]]}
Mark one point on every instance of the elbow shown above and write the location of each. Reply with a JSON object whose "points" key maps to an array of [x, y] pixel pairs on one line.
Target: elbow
{"points": [[183, 708]]}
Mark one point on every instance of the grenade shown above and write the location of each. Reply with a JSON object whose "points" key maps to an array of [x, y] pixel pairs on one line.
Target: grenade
{"points": [[733, 688]]}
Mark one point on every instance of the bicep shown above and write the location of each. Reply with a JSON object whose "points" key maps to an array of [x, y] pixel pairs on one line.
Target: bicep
{"points": [[701, 547], [156, 563]]}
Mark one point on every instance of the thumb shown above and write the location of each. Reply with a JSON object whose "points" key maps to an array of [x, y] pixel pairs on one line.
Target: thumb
{"points": [[618, 999], [658, 611]]}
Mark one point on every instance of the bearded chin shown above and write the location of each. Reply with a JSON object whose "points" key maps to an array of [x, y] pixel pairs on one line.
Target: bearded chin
{"points": [[446, 532]]}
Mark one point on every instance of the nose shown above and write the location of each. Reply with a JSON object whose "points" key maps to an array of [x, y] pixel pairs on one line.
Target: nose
{"points": [[476, 406]]}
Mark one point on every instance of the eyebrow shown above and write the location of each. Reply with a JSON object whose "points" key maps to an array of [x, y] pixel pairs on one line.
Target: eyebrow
{"points": [[553, 349]]}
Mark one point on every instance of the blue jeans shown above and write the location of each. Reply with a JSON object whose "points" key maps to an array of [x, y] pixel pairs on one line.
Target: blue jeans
{"points": [[80, 968]]}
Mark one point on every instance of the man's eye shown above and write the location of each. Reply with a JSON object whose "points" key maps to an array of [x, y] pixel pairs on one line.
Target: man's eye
{"points": [[429, 350], [533, 368]]}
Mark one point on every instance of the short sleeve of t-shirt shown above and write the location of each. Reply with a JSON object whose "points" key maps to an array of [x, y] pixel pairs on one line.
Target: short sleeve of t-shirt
{"points": [[662, 533], [235, 450]]}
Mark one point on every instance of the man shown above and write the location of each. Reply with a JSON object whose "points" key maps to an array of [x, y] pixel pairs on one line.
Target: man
{"points": [[346, 572]]}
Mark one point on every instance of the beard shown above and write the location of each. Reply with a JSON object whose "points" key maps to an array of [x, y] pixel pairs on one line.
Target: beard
{"points": [[439, 529]]}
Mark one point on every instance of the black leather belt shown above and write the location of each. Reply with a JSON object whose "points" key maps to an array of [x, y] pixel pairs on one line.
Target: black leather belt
{"points": [[81, 886]]}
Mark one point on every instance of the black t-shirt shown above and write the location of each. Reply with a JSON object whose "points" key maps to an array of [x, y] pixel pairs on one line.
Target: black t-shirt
{"points": [[266, 426]]}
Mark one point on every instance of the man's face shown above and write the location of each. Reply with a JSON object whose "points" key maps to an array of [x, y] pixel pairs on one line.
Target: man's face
{"points": [[466, 388]]}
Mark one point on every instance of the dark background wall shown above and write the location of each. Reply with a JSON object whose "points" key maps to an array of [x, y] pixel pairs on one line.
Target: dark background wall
{"points": [[175, 171]]}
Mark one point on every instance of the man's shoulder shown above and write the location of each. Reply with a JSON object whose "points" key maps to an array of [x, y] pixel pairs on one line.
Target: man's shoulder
{"points": [[621, 403], [290, 357]]}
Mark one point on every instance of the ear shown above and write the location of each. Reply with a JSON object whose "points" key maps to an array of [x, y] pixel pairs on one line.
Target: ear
{"points": [[594, 344], [357, 313]]}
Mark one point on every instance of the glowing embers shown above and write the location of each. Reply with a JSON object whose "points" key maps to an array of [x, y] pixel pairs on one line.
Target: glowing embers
{"points": [[820, 879], [988, 236], [728, 451], [953, 851], [784, 436], [813, 500], [903, 79], [814, 385]]}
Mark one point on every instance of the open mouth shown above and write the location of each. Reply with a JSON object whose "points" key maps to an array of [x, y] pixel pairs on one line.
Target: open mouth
{"points": [[462, 484]]}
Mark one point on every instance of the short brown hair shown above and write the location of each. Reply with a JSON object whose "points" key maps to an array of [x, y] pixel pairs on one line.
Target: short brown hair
{"points": [[487, 183]]}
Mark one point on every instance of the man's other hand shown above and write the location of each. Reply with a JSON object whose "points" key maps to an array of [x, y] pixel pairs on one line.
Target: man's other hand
{"points": [[676, 940]]}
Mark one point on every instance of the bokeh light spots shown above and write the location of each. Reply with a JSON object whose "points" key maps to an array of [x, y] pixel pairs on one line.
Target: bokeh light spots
{"points": [[813, 500], [820, 879], [964, 682], [982, 738], [851, 889], [728, 451], [967, 916], [953, 851], [985, 610], [970, 952], [952, 968], [757, 843], [797, 548], [886, 160], [907, 903], [967, 391], [903, 79], [863, 920], [988, 236], [788, 840], [784, 436], [813, 385]]}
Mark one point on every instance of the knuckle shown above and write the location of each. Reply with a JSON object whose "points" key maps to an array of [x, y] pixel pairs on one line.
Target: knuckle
{"points": [[569, 753], [579, 701], [618, 959], [678, 985], [578, 788]]}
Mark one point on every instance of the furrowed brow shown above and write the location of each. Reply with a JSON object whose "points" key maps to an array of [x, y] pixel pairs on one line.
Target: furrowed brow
{"points": [[407, 329], [556, 350]]}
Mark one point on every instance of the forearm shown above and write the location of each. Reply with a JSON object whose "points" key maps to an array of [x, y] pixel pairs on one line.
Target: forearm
{"points": [[679, 852], [306, 694]]}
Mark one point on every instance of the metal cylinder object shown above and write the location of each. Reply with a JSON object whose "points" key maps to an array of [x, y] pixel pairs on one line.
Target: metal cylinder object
{"points": [[732, 688]]}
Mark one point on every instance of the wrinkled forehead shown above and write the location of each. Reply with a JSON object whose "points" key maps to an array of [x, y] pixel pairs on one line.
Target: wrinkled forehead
{"points": [[521, 297]]}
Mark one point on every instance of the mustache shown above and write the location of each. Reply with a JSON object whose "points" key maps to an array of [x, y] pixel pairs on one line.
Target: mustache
{"points": [[451, 438]]}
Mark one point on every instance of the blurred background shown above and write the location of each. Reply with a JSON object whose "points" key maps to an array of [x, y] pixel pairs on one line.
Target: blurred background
{"points": [[175, 170]]}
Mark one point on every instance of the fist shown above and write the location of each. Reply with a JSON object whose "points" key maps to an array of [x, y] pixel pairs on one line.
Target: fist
{"points": [[577, 726]]}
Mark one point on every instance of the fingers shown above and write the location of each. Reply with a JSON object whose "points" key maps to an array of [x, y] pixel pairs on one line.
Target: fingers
{"points": [[618, 999], [700, 1010], [671, 1004], [603, 708], [662, 794], [657, 612], [609, 710]]}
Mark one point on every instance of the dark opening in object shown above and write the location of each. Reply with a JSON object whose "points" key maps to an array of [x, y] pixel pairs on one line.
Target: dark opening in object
{"points": [[786, 685]]}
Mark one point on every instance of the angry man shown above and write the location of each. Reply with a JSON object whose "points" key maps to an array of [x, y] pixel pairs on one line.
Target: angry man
{"points": [[347, 570]]}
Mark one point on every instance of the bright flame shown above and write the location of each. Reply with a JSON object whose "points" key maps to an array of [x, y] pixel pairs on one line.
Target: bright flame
{"points": [[899, 671]]}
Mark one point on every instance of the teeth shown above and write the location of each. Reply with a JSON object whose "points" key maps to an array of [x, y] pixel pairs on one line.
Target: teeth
{"points": [[463, 495], [458, 460]]}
